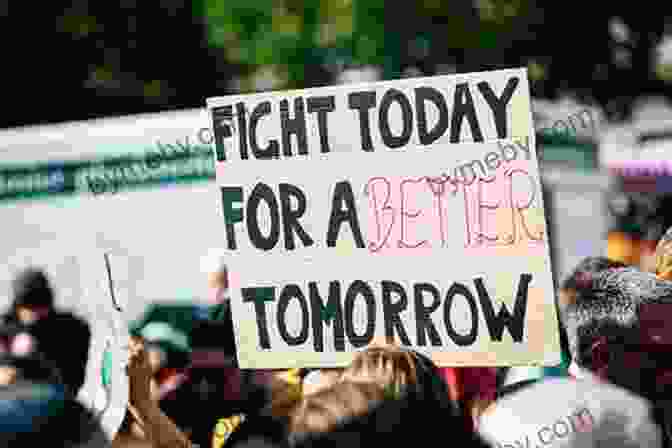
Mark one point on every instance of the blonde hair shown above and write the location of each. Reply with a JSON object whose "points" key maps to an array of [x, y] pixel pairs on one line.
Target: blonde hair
{"points": [[387, 366], [664, 259], [325, 410]]}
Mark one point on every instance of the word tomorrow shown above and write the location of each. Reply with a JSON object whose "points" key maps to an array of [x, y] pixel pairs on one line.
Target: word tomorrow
{"points": [[339, 313]]}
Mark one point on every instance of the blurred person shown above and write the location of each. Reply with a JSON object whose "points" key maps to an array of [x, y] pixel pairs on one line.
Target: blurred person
{"points": [[563, 412], [167, 351], [581, 277], [36, 407], [387, 366], [145, 424], [393, 370], [402, 371], [396, 369], [619, 330], [515, 378], [359, 414], [165, 329], [239, 382], [36, 414], [20, 359], [264, 411], [64, 338], [323, 411]]}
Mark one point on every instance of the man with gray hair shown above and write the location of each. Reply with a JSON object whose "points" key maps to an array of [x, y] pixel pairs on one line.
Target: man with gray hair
{"points": [[619, 330], [621, 350]]}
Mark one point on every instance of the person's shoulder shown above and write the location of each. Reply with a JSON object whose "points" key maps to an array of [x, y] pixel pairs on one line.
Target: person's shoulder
{"points": [[66, 319], [563, 391], [567, 402]]}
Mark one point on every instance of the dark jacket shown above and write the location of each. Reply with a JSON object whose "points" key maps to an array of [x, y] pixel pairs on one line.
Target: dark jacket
{"points": [[43, 415], [64, 339], [432, 389]]}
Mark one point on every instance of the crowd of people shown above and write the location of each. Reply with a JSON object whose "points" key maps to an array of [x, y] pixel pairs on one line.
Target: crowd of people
{"points": [[612, 389]]}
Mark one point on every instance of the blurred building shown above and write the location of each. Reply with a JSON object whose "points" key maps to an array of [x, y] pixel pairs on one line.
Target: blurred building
{"points": [[638, 154]]}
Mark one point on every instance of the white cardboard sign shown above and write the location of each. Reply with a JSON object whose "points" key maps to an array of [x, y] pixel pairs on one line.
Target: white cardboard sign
{"points": [[409, 209]]}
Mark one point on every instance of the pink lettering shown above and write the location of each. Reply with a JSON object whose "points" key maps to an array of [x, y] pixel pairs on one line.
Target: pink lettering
{"points": [[405, 214], [519, 208], [385, 208], [482, 205]]}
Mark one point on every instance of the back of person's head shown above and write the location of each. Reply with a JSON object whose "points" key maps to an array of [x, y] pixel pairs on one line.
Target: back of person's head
{"points": [[362, 415], [323, 411], [609, 309], [387, 366], [31, 287], [581, 277], [65, 341]]}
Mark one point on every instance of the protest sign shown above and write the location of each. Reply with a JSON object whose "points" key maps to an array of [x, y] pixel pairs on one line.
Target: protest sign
{"points": [[409, 209]]}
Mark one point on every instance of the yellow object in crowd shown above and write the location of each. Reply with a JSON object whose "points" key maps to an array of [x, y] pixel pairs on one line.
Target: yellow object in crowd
{"points": [[293, 379], [225, 427]]}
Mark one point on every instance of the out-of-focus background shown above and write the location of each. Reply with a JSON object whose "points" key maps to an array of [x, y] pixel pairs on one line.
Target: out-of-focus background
{"points": [[601, 80], [106, 172]]}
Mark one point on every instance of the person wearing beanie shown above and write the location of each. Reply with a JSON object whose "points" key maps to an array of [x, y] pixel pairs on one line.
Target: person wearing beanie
{"points": [[36, 408], [33, 308]]}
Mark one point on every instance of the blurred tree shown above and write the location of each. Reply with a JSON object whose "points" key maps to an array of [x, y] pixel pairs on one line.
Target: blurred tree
{"points": [[80, 59], [266, 33]]}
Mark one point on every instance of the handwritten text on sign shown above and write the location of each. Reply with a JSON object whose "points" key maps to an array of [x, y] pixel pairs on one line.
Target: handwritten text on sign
{"points": [[459, 216]]}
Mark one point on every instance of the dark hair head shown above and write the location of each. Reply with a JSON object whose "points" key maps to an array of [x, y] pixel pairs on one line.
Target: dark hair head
{"points": [[584, 272], [610, 308], [32, 288], [387, 423]]}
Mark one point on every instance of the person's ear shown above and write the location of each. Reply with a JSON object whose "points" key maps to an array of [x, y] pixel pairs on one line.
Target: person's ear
{"points": [[599, 353]]}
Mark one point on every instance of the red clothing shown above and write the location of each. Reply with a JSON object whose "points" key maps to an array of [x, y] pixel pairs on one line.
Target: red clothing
{"points": [[467, 384]]}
